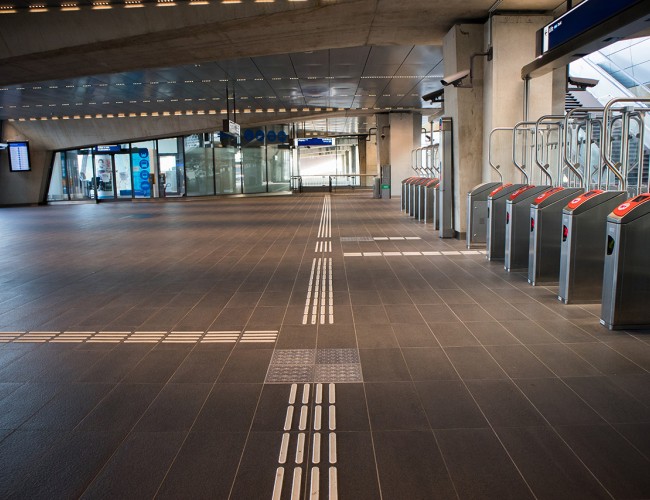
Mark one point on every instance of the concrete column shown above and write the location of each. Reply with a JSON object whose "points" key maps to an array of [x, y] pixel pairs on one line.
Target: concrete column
{"points": [[404, 136], [372, 161], [513, 43], [465, 107], [382, 139]]}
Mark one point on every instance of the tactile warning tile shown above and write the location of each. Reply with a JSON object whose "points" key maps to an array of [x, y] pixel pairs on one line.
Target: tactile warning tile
{"points": [[337, 356], [338, 373], [282, 374], [356, 238], [293, 357]]}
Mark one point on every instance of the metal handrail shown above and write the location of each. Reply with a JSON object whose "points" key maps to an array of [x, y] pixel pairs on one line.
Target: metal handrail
{"points": [[543, 118], [605, 149], [514, 148], [565, 158], [496, 167]]}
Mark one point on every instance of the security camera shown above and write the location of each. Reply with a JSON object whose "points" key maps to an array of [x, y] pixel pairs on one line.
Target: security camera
{"points": [[456, 79], [582, 83], [3, 146], [383, 136], [435, 96]]}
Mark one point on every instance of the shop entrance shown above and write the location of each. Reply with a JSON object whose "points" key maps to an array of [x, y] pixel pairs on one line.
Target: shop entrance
{"points": [[112, 175]]}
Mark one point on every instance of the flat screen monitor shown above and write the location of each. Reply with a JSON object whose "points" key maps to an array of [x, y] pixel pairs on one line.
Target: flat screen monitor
{"points": [[19, 156]]}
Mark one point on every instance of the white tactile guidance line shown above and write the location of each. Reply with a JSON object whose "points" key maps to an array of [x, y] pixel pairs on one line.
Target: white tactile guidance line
{"points": [[173, 337], [299, 397]]}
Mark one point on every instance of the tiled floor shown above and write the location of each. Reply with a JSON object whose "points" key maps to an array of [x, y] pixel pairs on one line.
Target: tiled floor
{"points": [[395, 374]]}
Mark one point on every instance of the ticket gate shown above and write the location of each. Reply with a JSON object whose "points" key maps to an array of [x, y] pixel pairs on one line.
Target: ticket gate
{"points": [[517, 226], [495, 240], [432, 212], [426, 210], [404, 199], [477, 207], [626, 279], [545, 234], [413, 195], [415, 187], [582, 254]]}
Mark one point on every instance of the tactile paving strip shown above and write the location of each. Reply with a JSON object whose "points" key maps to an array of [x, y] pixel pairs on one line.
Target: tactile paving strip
{"points": [[281, 374], [314, 365], [337, 356], [294, 357], [338, 373], [357, 238]]}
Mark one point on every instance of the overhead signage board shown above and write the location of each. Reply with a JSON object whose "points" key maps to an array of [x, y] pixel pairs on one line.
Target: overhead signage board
{"points": [[316, 141], [19, 156], [578, 20], [231, 127], [108, 148]]}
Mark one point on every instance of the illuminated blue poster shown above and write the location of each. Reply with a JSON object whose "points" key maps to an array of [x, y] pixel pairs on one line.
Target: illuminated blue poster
{"points": [[141, 170]]}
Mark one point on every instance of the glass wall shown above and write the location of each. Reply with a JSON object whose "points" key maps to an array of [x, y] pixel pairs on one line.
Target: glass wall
{"points": [[172, 167], [199, 164], [194, 165], [227, 161], [254, 161]]}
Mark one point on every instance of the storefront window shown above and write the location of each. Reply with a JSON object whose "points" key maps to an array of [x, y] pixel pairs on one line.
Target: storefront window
{"points": [[278, 157], [199, 166], [59, 184], [172, 169]]}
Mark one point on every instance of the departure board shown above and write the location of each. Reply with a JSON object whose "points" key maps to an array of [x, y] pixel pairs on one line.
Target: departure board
{"points": [[19, 156]]}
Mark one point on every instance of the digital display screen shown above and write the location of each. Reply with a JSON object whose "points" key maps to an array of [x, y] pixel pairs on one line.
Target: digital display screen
{"points": [[581, 18], [316, 141], [19, 156]]}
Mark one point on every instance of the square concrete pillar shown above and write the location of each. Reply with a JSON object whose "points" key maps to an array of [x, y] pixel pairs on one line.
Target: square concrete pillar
{"points": [[513, 45], [465, 107]]}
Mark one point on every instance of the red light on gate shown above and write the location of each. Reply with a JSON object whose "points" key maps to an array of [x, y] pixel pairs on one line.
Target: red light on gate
{"points": [[565, 233], [532, 224], [507, 217]]}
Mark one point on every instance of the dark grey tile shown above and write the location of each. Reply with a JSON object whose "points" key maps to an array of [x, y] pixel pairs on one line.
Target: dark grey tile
{"points": [[121, 408], [138, 467], [351, 409], [428, 363], [503, 404], [471, 312], [528, 332], [453, 334], [229, 408], [638, 435], [246, 366], [548, 465], [205, 466], [375, 336], [297, 337], [201, 366], [617, 465], [369, 315], [414, 336], [156, 367], [174, 409], [383, 365], [437, 313], [356, 468], [518, 362], [24, 402], [559, 404], [410, 466], [491, 333], [395, 406], [562, 361], [405, 314], [605, 359], [611, 402], [68, 407], [474, 363], [256, 473], [449, 405], [479, 466]]}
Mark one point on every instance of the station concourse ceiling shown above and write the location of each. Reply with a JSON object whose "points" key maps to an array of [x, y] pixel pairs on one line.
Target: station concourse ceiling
{"points": [[282, 59]]}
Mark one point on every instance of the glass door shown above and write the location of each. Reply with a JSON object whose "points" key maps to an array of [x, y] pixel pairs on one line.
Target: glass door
{"points": [[104, 176], [124, 187]]}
